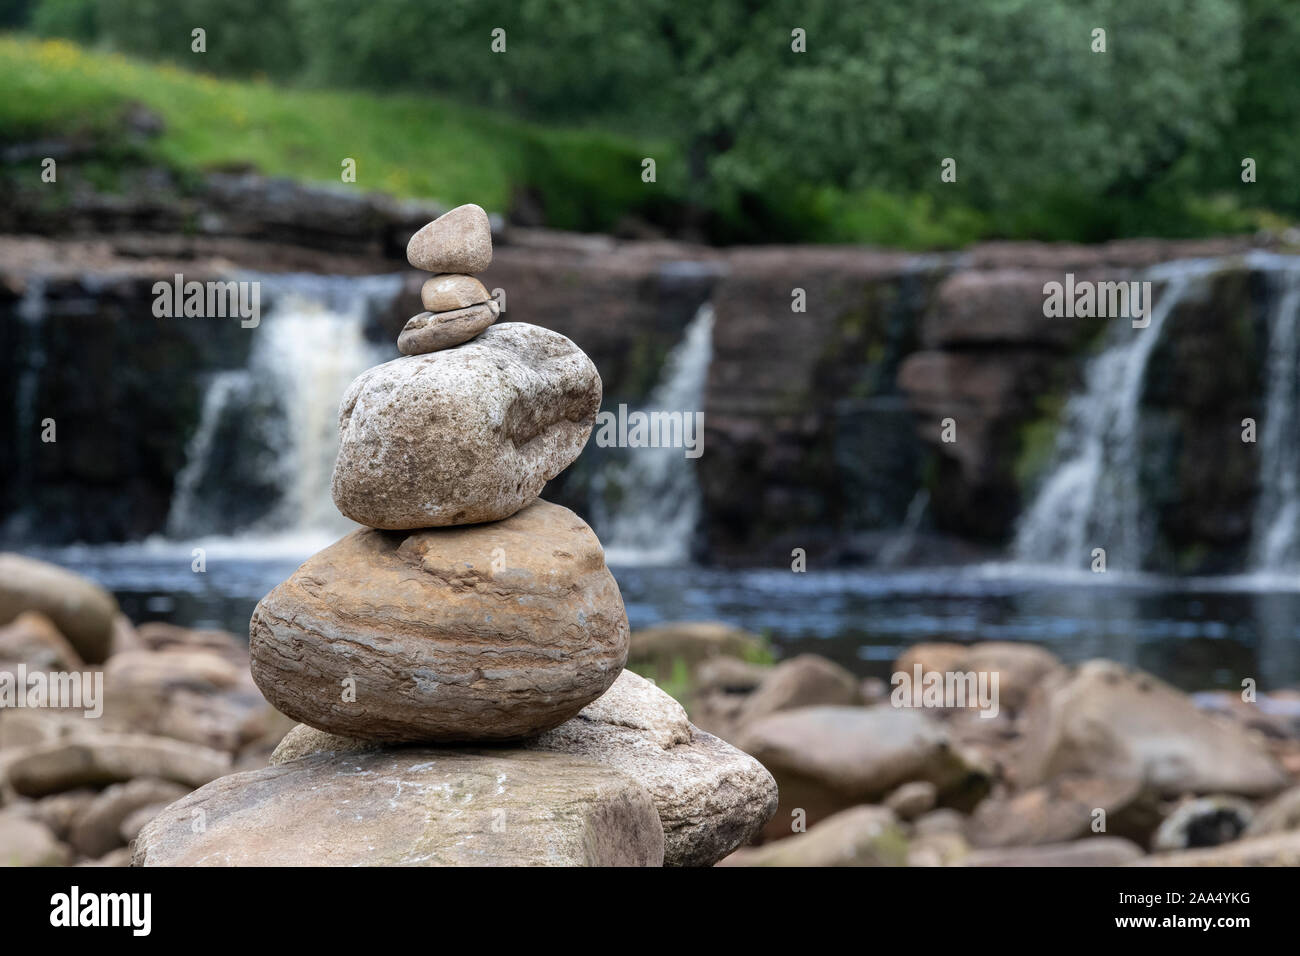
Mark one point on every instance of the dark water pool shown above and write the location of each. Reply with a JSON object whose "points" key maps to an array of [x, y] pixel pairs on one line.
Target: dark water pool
{"points": [[1196, 634]]}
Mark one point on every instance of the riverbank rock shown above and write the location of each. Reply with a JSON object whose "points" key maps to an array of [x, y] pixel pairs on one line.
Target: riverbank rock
{"points": [[1020, 667], [1204, 821], [943, 848], [662, 653], [162, 636], [710, 797], [119, 857], [412, 807], [1102, 719], [861, 836], [432, 331], [106, 758], [807, 680], [24, 842], [32, 639], [1279, 815], [827, 759], [495, 632], [721, 687], [457, 241], [186, 692], [135, 821], [23, 727], [446, 293], [912, 800], [463, 435], [1091, 851], [82, 611], [727, 675], [59, 812], [125, 636], [97, 828], [1060, 810], [1276, 849]]}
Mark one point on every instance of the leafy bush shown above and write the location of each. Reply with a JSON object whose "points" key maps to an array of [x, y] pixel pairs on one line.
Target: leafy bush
{"points": [[843, 141], [72, 19]]}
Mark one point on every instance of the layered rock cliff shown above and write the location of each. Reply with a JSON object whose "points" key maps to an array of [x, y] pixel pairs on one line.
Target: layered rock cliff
{"points": [[823, 427]]}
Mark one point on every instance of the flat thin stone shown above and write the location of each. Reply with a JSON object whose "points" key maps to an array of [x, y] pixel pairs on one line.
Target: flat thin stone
{"points": [[431, 331]]}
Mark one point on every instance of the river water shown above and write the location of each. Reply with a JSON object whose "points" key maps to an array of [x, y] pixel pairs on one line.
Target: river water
{"points": [[1196, 633]]}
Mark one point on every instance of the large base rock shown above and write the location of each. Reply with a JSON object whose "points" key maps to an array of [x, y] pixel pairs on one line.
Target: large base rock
{"points": [[412, 807], [495, 632], [711, 798]]}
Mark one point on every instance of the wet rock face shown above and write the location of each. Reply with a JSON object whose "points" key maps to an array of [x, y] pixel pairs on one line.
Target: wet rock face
{"points": [[819, 440], [463, 435], [487, 632], [1202, 381]]}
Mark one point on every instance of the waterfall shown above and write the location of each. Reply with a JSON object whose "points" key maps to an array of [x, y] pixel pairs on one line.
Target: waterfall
{"points": [[647, 500], [896, 550], [260, 459], [31, 312], [1275, 544], [1092, 497]]}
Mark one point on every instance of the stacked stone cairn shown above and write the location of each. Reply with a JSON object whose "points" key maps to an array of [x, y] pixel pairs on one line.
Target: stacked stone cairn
{"points": [[457, 663]]}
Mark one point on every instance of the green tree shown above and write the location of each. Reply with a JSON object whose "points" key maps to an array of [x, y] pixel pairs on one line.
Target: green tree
{"points": [[1010, 89]]}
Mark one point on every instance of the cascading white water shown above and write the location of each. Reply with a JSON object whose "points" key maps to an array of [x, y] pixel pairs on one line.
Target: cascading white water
{"points": [[1276, 540], [31, 310], [895, 552], [658, 495], [188, 514], [276, 421], [1092, 498]]}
